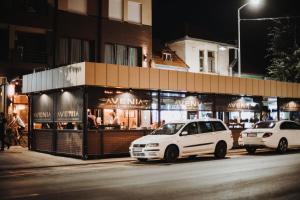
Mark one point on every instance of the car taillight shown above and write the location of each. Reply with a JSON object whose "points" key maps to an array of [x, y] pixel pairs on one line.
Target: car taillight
{"points": [[267, 135]]}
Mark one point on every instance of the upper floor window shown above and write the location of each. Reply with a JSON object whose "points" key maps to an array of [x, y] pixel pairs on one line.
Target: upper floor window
{"points": [[211, 61], [78, 6], [31, 6], [31, 47], [115, 9], [123, 55], [4, 44], [134, 12], [201, 60], [73, 50], [167, 57]]}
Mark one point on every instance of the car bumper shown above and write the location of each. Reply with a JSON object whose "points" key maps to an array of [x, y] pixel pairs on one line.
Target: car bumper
{"points": [[149, 153], [255, 141]]}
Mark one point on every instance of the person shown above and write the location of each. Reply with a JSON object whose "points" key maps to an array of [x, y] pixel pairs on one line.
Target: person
{"points": [[19, 122], [3, 121], [92, 123], [266, 116]]}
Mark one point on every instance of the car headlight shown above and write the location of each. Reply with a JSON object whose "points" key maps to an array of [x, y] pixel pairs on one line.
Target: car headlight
{"points": [[152, 145]]}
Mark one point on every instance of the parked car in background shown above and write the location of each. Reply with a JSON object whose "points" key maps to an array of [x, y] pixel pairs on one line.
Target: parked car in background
{"points": [[279, 135], [184, 139]]}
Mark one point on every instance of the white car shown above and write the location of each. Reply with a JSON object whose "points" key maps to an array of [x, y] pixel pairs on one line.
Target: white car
{"points": [[271, 134], [184, 139]]}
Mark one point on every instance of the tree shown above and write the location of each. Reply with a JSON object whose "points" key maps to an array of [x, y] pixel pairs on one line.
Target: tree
{"points": [[283, 52]]}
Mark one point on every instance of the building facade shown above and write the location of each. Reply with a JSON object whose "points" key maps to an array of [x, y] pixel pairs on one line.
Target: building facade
{"points": [[40, 34], [204, 56], [49, 33]]}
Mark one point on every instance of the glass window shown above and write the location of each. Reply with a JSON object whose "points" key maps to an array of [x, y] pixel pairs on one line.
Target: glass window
{"points": [[122, 55], [168, 129], [205, 127], [211, 61], [201, 60], [289, 126], [115, 9], [264, 125], [79, 6], [218, 126], [134, 12], [191, 128], [75, 50]]}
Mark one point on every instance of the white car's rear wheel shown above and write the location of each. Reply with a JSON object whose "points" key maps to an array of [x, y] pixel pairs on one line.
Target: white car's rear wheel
{"points": [[282, 146], [221, 150]]}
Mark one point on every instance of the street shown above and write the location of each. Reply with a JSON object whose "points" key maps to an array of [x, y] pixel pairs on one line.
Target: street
{"points": [[240, 176]]}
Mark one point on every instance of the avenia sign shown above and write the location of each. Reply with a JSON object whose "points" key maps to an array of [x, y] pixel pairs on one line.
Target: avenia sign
{"points": [[124, 101]]}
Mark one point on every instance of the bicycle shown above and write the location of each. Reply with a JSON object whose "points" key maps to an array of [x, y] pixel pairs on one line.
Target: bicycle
{"points": [[16, 136]]}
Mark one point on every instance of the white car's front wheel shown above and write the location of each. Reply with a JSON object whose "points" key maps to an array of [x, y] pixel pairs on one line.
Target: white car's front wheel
{"points": [[171, 153], [282, 146]]}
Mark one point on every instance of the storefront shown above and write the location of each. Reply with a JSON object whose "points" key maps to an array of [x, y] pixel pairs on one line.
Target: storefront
{"points": [[90, 110]]}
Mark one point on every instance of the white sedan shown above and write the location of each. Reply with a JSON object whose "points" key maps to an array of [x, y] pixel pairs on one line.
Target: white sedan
{"points": [[271, 134]]}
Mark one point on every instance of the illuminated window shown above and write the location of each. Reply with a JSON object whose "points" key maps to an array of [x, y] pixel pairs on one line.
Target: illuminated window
{"points": [[115, 9], [134, 12], [78, 6]]}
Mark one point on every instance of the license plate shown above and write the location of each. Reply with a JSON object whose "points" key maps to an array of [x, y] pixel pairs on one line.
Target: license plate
{"points": [[137, 149], [252, 135]]}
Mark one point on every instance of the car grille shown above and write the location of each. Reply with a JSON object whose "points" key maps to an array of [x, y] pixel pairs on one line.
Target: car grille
{"points": [[139, 145]]}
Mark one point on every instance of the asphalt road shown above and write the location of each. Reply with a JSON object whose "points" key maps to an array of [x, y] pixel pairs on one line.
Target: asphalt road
{"points": [[263, 176]]}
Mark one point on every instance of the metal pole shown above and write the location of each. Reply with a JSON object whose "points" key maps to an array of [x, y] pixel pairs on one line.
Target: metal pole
{"points": [[239, 43], [239, 39]]}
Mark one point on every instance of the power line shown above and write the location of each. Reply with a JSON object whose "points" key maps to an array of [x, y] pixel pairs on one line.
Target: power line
{"points": [[271, 18]]}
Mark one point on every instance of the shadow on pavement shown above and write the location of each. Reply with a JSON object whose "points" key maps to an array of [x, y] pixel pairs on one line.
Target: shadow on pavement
{"points": [[273, 152], [179, 161]]}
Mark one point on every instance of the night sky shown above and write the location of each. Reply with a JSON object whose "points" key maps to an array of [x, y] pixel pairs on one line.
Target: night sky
{"points": [[217, 20]]}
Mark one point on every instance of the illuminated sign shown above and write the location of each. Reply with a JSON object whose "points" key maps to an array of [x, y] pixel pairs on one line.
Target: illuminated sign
{"points": [[124, 101], [290, 106]]}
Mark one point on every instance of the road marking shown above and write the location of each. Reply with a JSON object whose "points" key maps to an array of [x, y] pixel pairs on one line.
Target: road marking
{"points": [[21, 196]]}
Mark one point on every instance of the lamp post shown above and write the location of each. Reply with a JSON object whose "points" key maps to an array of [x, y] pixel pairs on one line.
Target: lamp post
{"points": [[251, 2]]}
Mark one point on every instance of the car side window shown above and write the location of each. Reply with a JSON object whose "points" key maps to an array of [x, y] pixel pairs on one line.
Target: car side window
{"points": [[284, 126], [289, 126], [294, 126], [191, 128], [218, 126], [205, 127]]}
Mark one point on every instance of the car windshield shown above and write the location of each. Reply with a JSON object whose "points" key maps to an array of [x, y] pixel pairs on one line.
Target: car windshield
{"points": [[264, 125], [168, 129]]}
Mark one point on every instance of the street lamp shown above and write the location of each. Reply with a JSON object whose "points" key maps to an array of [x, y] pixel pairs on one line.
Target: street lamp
{"points": [[254, 3]]}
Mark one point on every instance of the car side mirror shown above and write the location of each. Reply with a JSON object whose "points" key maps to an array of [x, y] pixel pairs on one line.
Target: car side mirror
{"points": [[184, 133]]}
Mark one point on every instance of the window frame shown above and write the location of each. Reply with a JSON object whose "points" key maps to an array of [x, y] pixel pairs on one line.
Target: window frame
{"points": [[140, 12], [186, 126]]}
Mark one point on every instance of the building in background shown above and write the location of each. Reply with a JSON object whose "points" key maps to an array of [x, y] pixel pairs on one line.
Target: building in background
{"points": [[39, 34], [205, 56]]}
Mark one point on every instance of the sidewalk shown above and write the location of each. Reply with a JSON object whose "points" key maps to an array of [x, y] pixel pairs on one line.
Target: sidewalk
{"points": [[21, 158]]}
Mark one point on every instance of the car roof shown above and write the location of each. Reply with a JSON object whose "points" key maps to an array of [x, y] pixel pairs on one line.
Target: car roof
{"points": [[206, 119]]}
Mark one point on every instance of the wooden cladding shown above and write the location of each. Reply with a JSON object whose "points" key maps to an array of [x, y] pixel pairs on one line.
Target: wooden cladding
{"points": [[108, 75]]}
